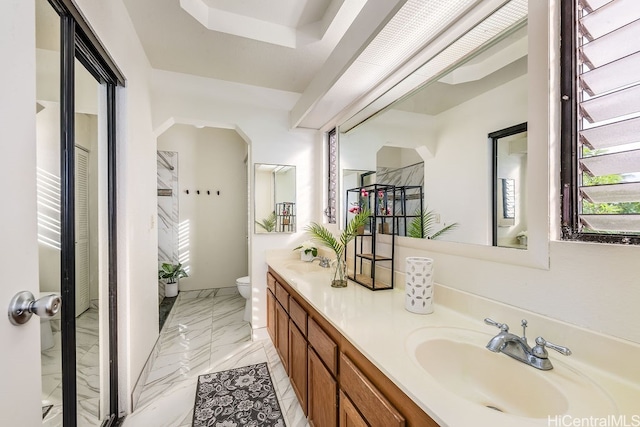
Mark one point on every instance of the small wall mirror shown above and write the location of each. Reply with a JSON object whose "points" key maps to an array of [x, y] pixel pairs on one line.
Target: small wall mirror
{"points": [[509, 186], [275, 198]]}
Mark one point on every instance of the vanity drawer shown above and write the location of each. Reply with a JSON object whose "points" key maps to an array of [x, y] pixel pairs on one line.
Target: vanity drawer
{"points": [[282, 296], [324, 346], [375, 408], [271, 283], [298, 315]]}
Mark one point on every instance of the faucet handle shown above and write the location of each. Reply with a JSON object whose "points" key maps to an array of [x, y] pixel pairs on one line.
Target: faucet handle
{"points": [[540, 351], [502, 326]]}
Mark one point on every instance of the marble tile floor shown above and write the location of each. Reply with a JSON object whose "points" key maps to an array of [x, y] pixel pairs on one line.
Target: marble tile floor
{"points": [[205, 333], [88, 377]]}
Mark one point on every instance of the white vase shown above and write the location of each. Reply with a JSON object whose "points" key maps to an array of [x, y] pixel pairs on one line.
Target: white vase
{"points": [[171, 289], [306, 257], [419, 285]]}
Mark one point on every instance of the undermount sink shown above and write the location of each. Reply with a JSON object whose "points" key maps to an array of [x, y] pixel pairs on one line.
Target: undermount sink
{"points": [[459, 362]]}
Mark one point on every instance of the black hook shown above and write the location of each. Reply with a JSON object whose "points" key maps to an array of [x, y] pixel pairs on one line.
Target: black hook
{"points": [[197, 191], [187, 191]]}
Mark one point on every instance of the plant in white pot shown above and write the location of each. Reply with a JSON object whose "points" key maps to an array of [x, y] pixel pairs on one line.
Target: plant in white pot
{"points": [[171, 274], [308, 251]]}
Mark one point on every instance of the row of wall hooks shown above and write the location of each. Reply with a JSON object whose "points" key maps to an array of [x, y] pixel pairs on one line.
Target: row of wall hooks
{"points": [[208, 192]]}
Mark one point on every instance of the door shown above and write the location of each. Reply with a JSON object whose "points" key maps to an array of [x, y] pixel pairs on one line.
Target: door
{"points": [[298, 364], [322, 397], [349, 415], [20, 351]]}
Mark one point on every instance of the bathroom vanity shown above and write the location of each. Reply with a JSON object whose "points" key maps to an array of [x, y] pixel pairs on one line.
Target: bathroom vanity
{"points": [[357, 357], [331, 377]]}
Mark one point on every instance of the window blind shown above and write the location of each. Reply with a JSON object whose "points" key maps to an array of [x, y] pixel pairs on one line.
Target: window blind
{"points": [[608, 55]]}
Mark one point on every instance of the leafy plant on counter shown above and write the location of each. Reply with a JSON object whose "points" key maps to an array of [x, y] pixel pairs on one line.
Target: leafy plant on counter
{"points": [[323, 236]]}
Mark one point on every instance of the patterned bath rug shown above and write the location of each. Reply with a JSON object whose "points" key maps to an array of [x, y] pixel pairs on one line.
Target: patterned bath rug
{"points": [[240, 397]]}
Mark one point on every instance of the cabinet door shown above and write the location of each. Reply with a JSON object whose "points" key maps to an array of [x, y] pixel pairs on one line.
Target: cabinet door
{"points": [[323, 393], [298, 364], [271, 316], [349, 415], [371, 403], [282, 335]]}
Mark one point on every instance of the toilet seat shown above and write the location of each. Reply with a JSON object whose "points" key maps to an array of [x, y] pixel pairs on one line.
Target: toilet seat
{"points": [[243, 281]]}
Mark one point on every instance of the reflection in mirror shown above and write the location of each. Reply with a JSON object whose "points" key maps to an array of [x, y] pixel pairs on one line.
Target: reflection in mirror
{"points": [[509, 186], [445, 124], [275, 198], [352, 178]]}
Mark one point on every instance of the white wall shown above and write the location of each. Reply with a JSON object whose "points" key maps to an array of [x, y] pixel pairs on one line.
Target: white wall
{"points": [[210, 159], [261, 117]]}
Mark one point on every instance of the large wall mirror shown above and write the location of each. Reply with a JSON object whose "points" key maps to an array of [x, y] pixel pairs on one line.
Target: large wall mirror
{"points": [[275, 198], [442, 129], [462, 98]]}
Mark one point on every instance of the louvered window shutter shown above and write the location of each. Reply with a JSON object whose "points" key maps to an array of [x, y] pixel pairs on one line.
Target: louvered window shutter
{"points": [[608, 65]]}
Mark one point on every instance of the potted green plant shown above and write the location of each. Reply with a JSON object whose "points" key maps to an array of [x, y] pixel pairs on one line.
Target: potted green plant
{"points": [[323, 236], [171, 274], [308, 251]]}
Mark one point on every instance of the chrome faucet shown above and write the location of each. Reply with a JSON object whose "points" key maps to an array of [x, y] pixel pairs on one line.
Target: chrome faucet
{"points": [[518, 348], [324, 261]]}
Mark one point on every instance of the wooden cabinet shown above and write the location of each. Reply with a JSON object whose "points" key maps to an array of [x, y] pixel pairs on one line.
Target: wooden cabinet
{"points": [[334, 382], [282, 335], [323, 393], [298, 363], [349, 415], [271, 315]]}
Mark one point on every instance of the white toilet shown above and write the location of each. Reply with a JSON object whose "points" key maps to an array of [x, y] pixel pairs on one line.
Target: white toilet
{"points": [[46, 331], [244, 287]]}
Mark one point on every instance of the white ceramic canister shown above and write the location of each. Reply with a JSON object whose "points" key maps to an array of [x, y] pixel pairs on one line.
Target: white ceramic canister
{"points": [[419, 285]]}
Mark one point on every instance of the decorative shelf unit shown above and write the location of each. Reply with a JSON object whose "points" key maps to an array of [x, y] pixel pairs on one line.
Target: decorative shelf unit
{"points": [[408, 204], [372, 264], [286, 217]]}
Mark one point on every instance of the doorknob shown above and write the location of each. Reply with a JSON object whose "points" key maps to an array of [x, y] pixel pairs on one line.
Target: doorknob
{"points": [[23, 305]]}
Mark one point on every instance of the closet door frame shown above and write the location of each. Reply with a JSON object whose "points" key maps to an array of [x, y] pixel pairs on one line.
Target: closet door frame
{"points": [[78, 41]]}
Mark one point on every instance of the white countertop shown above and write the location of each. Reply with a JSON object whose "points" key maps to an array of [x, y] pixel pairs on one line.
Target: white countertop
{"points": [[378, 325]]}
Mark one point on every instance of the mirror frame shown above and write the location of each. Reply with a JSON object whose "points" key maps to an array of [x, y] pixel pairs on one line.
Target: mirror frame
{"points": [[543, 121]]}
